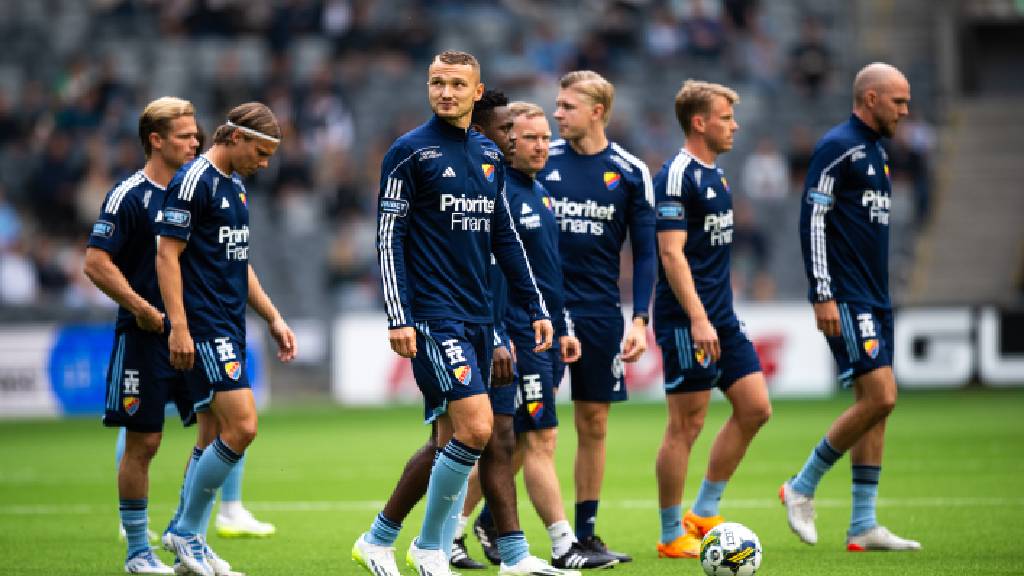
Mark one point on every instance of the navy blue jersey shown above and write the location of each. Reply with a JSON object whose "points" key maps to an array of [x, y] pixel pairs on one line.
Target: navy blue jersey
{"points": [[533, 212], [695, 197], [499, 296], [844, 217], [125, 231], [442, 212], [598, 198], [208, 209]]}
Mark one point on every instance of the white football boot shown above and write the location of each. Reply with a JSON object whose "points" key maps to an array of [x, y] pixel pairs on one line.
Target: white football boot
{"points": [[146, 563], [799, 513], [533, 566], [240, 524], [427, 562], [879, 538], [377, 560]]}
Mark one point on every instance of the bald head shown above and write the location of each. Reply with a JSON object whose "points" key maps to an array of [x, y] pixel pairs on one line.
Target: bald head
{"points": [[881, 97], [877, 76]]}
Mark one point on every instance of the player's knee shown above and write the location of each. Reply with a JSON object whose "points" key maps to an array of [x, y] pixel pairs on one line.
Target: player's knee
{"points": [[503, 441], [754, 417], [592, 427], [240, 434], [475, 434], [142, 447], [542, 442]]}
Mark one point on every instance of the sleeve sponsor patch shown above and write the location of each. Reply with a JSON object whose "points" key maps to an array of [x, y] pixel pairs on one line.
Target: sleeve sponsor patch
{"points": [[816, 197], [670, 211], [103, 229], [394, 206], [175, 217]]}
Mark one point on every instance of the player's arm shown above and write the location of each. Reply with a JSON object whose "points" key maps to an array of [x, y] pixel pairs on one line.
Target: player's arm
{"points": [[826, 166], [279, 329], [642, 241], [168, 275], [394, 208], [115, 227], [511, 257], [101, 270], [677, 272]]}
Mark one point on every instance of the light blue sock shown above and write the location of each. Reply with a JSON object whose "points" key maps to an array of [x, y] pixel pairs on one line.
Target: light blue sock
{"points": [[447, 480], [865, 492], [207, 512], [512, 547], [451, 524], [708, 496], [232, 489], [383, 531], [197, 452], [135, 522], [210, 471], [671, 523], [820, 461], [119, 448]]}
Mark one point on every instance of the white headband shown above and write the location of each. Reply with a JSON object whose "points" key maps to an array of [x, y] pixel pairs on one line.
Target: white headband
{"points": [[253, 133]]}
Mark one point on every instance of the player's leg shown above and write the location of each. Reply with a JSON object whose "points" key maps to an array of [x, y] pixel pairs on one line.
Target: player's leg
{"points": [[375, 549], [459, 357], [135, 401], [866, 465], [597, 381], [233, 519], [862, 361], [686, 412]]}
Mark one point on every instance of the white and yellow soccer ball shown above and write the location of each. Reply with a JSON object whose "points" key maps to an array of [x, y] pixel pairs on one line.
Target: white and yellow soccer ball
{"points": [[730, 549]]}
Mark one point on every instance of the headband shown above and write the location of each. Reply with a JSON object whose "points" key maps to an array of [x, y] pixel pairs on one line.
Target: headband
{"points": [[253, 133]]}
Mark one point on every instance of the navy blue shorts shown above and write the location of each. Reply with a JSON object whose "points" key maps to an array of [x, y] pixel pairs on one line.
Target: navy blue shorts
{"points": [[503, 398], [539, 376], [141, 381], [598, 375], [453, 361], [219, 367], [865, 343], [688, 369]]}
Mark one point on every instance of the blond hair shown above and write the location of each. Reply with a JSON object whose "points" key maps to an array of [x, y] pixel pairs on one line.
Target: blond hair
{"points": [[157, 117], [593, 87], [527, 109], [696, 96]]}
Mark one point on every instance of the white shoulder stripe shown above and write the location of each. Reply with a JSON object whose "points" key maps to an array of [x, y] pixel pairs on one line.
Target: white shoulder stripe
{"points": [[407, 158], [833, 164], [676, 172], [559, 142], [118, 193], [191, 179], [644, 172]]}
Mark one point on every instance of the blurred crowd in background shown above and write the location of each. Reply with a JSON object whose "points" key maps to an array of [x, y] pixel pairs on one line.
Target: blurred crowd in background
{"points": [[346, 77]]}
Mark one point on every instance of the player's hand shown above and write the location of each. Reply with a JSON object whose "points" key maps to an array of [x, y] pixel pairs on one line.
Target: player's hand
{"points": [[826, 315], [635, 343], [570, 347], [543, 334], [150, 320], [403, 341], [705, 338], [285, 338], [501, 367], [183, 349]]}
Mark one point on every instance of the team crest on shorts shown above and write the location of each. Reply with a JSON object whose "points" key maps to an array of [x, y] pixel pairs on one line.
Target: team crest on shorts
{"points": [[488, 170], [233, 369], [536, 410], [131, 404], [463, 373], [702, 358], [611, 180], [871, 347]]}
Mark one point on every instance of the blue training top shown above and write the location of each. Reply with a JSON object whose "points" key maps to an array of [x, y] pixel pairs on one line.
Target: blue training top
{"points": [[209, 210], [442, 212], [844, 217], [598, 198], [695, 197]]}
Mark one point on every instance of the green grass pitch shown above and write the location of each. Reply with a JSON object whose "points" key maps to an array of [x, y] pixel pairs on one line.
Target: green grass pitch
{"points": [[952, 478]]}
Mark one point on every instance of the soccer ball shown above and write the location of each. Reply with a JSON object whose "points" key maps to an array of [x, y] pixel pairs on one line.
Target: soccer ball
{"points": [[730, 549]]}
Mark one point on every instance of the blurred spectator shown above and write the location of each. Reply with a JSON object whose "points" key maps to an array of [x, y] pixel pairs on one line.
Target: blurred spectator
{"points": [[229, 86], [810, 60], [664, 38], [548, 51], [801, 148], [10, 223], [705, 35], [751, 253], [19, 282], [909, 153], [53, 185], [765, 173]]}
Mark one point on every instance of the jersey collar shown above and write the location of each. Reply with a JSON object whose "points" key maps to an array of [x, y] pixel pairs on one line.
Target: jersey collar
{"points": [[148, 179], [446, 129], [698, 160], [863, 128], [518, 175]]}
